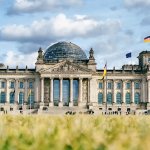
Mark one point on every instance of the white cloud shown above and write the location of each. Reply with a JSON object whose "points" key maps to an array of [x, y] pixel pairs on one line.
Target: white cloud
{"points": [[58, 28], [137, 3], [31, 6], [14, 59]]}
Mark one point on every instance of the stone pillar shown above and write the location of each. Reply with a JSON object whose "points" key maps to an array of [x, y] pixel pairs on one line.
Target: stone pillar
{"points": [[36, 82], [89, 80], [42, 90], [143, 91], [148, 91], [61, 93], [51, 92], [132, 95], [7, 91], [16, 91], [26, 91], [114, 92], [123, 92], [104, 92], [71, 93], [80, 90]]}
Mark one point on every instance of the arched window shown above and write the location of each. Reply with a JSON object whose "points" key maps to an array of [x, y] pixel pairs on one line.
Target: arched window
{"points": [[118, 98], [109, 98], [11, 97], [21, 98], [100, 98], [137, 98], [128, 98], [31, 98], [2, 97]]}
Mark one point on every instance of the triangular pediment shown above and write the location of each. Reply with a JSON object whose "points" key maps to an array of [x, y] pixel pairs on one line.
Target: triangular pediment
{"points": [[65, 67]]}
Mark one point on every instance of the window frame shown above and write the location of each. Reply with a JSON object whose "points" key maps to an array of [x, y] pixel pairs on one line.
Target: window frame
{"points": [[12, 84], [100, 85], [109, 85], [119, 83], [21, 84], [100, 98]]}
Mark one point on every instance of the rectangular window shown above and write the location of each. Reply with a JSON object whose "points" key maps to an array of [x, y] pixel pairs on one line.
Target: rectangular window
{"points": [[12, 85], [128, 85], [2, 84], [21, 85], [119, 85], [137, 85], [109, 85], [100, 85], [30, 85]]}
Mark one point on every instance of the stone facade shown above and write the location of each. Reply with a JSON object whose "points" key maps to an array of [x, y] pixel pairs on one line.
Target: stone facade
{"points": [[127, 89]]}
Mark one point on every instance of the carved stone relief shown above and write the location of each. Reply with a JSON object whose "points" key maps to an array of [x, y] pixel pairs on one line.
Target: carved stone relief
{"points": [[65, 68]]}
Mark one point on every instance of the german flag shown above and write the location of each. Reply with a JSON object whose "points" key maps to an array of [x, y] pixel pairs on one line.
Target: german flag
{"points": [[147, 39], [105, 71]]}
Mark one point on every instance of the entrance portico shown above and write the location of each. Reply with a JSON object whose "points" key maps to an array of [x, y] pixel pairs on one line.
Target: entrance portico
{"points": [[63, 91]]}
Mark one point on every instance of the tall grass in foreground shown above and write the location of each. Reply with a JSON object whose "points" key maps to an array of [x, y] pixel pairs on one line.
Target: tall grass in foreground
{"points": [[44, 132]]}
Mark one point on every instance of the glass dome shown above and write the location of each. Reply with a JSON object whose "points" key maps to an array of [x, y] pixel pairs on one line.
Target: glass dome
{"points": [[63, 51]]}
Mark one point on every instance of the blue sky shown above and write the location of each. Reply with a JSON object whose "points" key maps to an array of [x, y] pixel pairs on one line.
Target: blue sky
{"points": [[111, 27]]}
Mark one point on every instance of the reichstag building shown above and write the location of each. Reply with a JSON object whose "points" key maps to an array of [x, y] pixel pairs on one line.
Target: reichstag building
{"points": [[64, 77]]}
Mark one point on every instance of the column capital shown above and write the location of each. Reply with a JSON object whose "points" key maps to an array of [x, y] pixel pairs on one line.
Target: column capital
{"points": [[133, 80], [51, 78], [124, 80], [89, 78], [7, 80], [114, 80]]}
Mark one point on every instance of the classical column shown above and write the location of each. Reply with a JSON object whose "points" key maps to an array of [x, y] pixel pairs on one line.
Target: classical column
{"points": [[104, 91], [26, 91], [71, 90], [16, 91], [89, 80], [132, 95], [80, 89], [148, 91], [51, 90], [42, 90], [143, 91], [114, 92], [35, 83], [123, 92], [61, 89], [7, 91]]}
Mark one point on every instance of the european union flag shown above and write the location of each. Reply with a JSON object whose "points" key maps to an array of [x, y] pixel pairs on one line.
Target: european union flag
{"points": [[128, 55]]}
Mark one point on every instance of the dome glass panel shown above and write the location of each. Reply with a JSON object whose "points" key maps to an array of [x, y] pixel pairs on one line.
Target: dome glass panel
{"points": [[64, 50]]}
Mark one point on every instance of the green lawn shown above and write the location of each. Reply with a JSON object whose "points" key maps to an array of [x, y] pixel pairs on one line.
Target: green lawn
{"points": [[79, 132]]}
